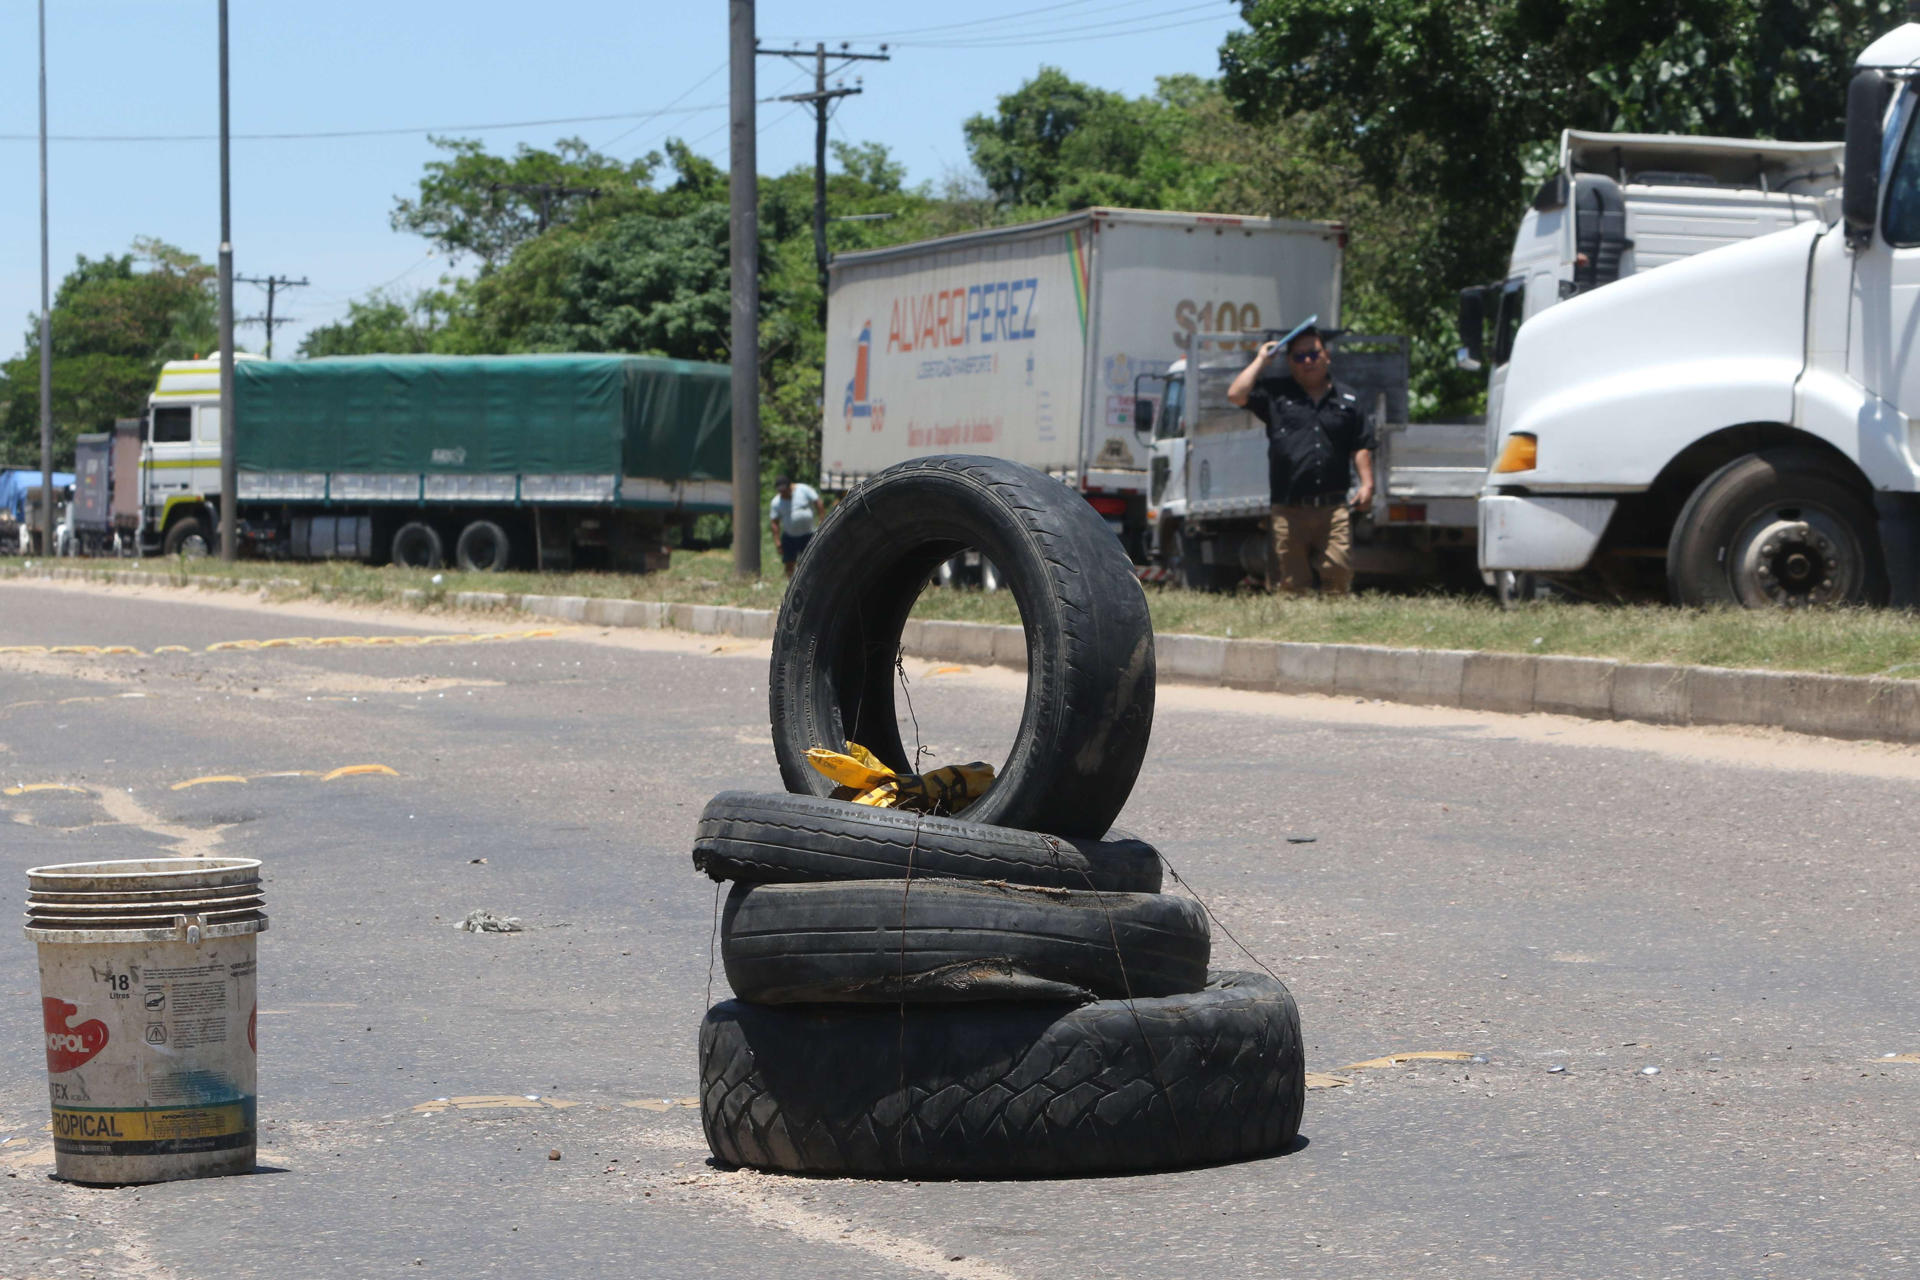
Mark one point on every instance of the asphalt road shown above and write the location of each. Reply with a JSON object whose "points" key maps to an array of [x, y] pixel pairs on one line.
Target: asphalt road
{"points": [[1737, 910]]}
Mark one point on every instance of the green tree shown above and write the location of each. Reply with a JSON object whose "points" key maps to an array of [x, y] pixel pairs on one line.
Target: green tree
{"points": [[1438, 108], [381, 324], [479, 204], [115, 319]]}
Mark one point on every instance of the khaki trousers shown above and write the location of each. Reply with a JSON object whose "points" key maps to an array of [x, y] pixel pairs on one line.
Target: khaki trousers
{"points": [[1309, 540]]}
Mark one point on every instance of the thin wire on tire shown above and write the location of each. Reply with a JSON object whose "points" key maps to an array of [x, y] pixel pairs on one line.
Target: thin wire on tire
{"points": [[1126, 986]]}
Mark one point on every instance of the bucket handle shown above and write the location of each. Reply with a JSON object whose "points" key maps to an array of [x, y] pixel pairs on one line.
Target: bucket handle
{"points": [[188, 927]]}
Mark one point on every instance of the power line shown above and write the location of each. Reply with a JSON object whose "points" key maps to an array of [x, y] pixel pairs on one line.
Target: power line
{"points": [[676, 102], [822, 100], [974, 22], [1132, 24], [367, 133], [272, 284]]}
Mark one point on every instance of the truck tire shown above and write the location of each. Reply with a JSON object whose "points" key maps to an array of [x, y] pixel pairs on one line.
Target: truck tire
{"points": [[859, 941], [779, 838], [1780, 528], [1197, 575], [1006, 1090], [417, 546], [483, 548], [1090, 672], [186, 536]]}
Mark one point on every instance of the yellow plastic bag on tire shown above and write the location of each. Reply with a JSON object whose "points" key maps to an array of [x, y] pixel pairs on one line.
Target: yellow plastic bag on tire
{"points": [[863, 779]]}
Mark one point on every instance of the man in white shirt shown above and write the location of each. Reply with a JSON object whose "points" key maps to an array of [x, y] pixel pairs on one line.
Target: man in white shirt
{"points": [[792, 514]]}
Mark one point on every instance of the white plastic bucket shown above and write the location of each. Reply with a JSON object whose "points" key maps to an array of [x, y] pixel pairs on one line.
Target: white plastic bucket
{"points": [[147, 994]]}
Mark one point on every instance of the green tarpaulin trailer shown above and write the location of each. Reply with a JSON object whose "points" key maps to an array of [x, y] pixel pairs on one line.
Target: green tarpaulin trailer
{"points": [[565, 415], [488, 461]]}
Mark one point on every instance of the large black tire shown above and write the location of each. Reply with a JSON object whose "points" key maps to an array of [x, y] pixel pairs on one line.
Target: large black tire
{"points": [[186, 536], [957, 940], [483, 548], [1090, 673], [416, 545], [985, 1091], [780, 838], [1783, 527]]}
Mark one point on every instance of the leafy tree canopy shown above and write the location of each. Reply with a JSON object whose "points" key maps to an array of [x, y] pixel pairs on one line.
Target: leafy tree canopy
{"points": [[115, 319]]}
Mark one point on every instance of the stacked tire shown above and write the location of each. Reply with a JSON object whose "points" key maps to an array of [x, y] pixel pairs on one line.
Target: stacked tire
{"points": [[1004, 994]]}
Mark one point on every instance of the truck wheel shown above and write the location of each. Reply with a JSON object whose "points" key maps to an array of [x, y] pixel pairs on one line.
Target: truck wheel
{"points": [[1088, 708], [1778, 529], [1197, 575], [186, 536], [417, 546], [1006, 1089], [483, 548]]}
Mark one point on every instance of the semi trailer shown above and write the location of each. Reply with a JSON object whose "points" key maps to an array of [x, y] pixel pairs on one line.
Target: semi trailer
{"points": [[487, 462]]}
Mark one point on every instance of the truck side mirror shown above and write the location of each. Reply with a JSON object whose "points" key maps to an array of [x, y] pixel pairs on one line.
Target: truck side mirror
{"points": [[1552, 193], [1867, 96], [1142, 416], [1473, 329]]}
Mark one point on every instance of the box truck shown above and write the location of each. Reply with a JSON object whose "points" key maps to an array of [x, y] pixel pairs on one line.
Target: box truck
{"points": [[1025, 342], [554, 462]]}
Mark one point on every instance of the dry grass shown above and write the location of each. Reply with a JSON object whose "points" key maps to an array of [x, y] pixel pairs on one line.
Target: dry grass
{"points": [[1842, 642]]}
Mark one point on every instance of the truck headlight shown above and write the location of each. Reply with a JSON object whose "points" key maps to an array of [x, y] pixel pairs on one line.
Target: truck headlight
{"points": [[1520, 452]]}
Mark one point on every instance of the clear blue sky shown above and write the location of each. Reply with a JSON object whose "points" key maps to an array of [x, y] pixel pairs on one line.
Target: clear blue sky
{"points": [[319, 207]]}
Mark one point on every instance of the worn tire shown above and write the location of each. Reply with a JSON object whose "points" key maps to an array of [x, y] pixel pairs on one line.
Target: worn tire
{"points": [[986, 1091], [780, 838], [416, 545], [957, 940], [1712, 557], [483, 547], [1089, 701]]}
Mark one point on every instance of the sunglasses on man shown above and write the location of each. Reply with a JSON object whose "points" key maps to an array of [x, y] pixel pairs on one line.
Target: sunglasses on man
{"points": [[1307, 357]]}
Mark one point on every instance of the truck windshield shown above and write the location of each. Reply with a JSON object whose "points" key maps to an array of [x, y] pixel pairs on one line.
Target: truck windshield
{"points": [[1902, 221]]}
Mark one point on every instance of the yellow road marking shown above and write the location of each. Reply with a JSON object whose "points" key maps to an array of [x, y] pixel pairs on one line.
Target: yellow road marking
{"points": [[288, 642], [495, 1102], [290, 773], [29, 788], [947, 671], [1395, 1059], [354, 770], [1900, 1057], [661, 1104], [1324, 1080], [211, 777]]}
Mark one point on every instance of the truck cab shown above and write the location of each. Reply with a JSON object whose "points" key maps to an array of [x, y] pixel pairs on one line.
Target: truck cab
{"points": [[180, 457], [1618, 204], [1735, 427]]}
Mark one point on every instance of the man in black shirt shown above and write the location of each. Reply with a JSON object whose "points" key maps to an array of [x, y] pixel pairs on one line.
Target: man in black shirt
{"points": [[1314, 431]]}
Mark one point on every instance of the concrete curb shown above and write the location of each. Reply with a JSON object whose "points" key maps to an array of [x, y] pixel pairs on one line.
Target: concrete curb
{"points": [[1517, 683]]}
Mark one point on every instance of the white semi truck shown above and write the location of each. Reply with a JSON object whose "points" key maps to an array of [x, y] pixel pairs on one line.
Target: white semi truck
{"points": [[1736, 425], [1025, 342]]}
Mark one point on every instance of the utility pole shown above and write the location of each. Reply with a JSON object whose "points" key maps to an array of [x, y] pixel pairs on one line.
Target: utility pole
{"points": [[743, 190], [46, 315], [822, 99], [229, 464], [547, 192], [272, 284]]}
